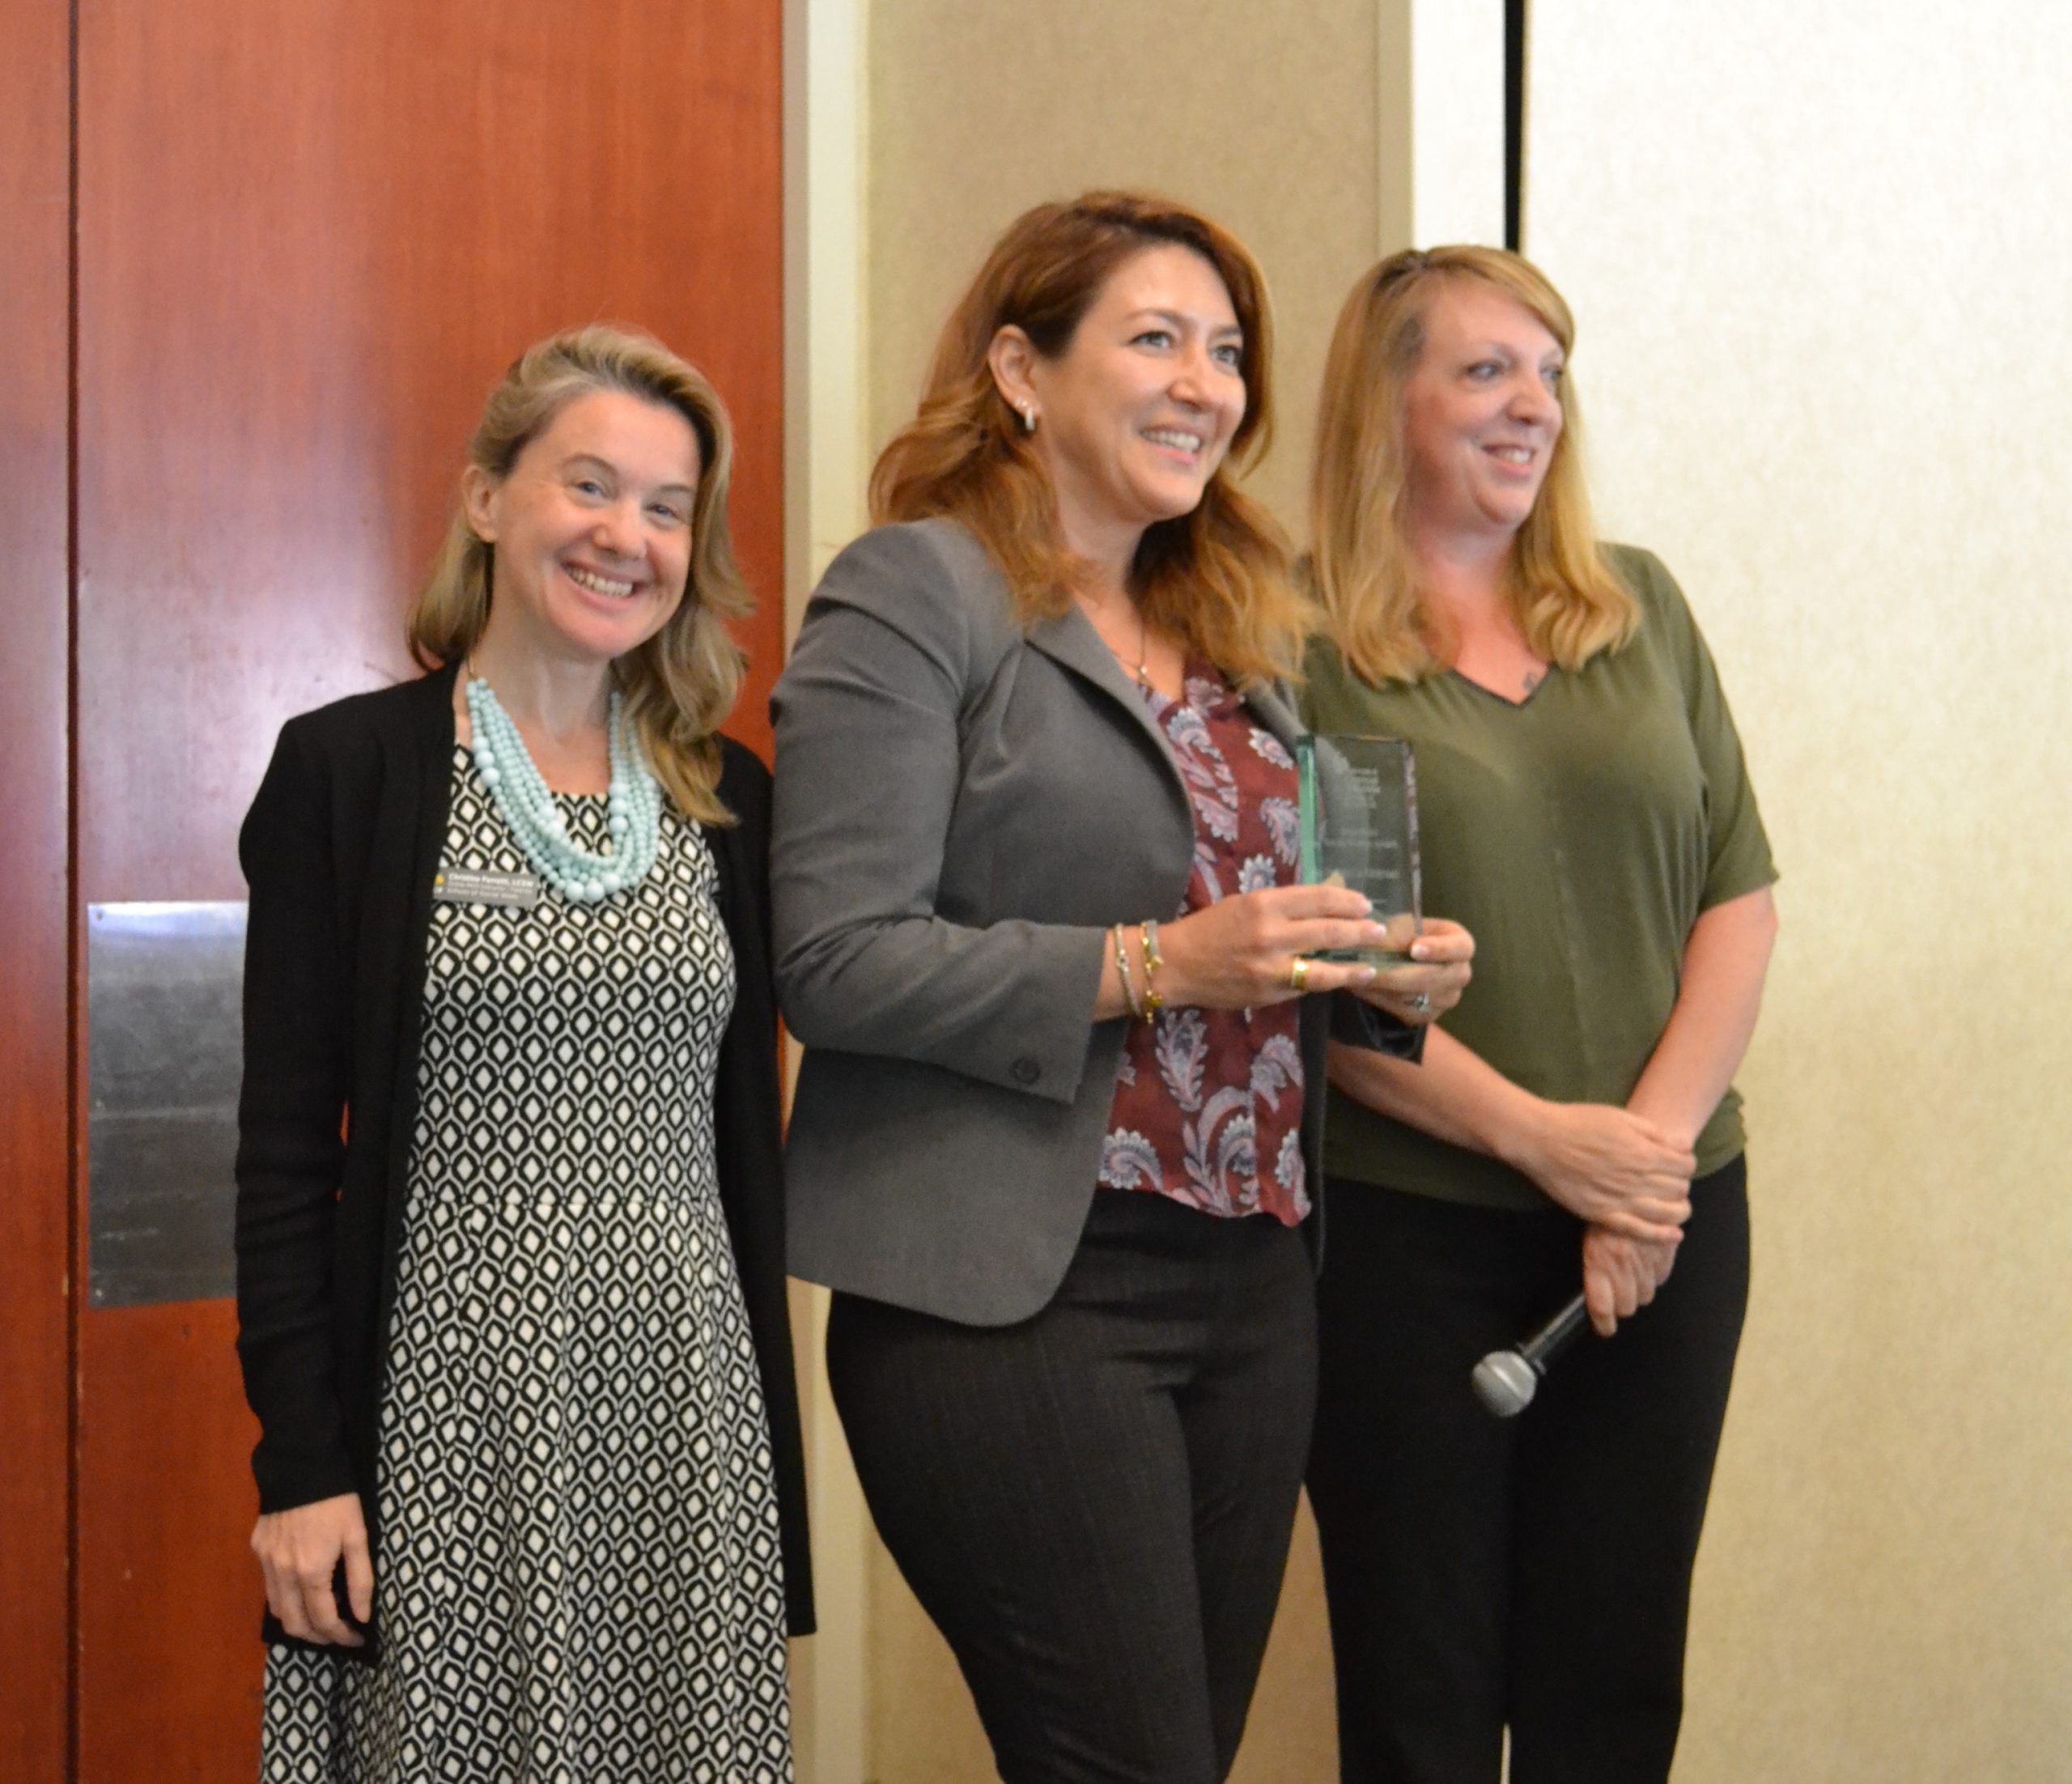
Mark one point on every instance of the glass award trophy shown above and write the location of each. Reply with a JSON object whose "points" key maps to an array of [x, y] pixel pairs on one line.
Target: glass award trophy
{"points": [[1359, 828]]}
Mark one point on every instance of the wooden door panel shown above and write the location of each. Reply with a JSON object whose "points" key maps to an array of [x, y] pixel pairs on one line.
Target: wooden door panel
{"points": [[169, 1658], [35, 1217], [308, 243], [310, 235]]}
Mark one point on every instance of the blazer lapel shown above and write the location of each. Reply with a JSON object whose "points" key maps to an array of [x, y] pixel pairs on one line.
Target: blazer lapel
{"points": [[430, 739], [1071, 639]]}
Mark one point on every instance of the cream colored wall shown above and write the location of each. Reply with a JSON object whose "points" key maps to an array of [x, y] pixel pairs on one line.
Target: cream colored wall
{"points": [[1820, 256], [826, 148]]}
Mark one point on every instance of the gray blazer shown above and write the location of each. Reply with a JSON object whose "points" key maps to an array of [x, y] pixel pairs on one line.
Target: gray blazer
{"points": [[963, 807]]}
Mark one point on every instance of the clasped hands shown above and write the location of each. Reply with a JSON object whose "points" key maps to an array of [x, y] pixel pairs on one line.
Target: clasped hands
{"points": [[1630, 1179]]}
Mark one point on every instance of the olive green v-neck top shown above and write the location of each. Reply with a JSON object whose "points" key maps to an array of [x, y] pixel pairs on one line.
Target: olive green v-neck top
{"points": [[1578, 834]]}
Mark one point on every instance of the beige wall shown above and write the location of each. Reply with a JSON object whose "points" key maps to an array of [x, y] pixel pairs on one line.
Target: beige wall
{"points": [[1820, 256]]}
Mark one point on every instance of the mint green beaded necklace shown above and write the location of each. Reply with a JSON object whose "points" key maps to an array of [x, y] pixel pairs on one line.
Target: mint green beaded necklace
{"points": [[633, 807]]}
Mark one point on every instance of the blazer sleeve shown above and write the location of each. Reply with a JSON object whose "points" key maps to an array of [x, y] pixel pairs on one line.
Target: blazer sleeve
{"points": [[894, 653], [290, 1152]]}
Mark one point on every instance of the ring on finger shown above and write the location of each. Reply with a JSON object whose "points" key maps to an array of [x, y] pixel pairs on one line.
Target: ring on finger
{"points": [[1421, 1002], [1298, 975]]}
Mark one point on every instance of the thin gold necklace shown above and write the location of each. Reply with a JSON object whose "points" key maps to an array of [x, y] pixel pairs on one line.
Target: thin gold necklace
{"points": [[1142, 671], [1143, 652]]}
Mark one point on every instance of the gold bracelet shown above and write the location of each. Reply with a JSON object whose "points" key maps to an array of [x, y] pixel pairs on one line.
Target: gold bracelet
{"points": [[1153, 1002], [1122, 967]]}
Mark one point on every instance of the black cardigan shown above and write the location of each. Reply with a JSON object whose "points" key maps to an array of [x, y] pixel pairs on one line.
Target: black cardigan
{"points": [[339, 849]]}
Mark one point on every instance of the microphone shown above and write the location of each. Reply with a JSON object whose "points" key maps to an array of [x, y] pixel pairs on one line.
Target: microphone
{"points": [[1506, 1380]]}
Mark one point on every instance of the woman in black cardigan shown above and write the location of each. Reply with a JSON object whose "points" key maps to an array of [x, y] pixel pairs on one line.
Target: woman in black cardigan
{"points": [[511, 1285]]}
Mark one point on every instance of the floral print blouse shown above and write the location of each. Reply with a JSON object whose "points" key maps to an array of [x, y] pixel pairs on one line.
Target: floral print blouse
{"points": [[1208, 1102]]}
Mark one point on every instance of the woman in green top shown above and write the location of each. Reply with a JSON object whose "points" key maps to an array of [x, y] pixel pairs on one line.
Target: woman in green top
{"points": [[1585, 811]]}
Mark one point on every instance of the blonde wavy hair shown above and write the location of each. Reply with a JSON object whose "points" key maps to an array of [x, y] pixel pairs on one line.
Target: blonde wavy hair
{"points": [[1218, 577], [1567, 602], [682, 682]]}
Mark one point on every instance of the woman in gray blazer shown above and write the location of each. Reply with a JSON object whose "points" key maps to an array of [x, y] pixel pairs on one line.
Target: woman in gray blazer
{"points": [[1055, 1138]]}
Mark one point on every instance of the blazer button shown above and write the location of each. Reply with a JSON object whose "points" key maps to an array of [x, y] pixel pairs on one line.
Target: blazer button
{"points": [[1026, 1071]]}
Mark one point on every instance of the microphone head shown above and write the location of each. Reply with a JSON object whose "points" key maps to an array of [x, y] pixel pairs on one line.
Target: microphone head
{"points": [[1505, 1381]]}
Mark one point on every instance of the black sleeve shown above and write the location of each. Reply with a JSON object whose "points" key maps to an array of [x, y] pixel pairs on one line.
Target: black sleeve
{"points": [[748, 1132], [291, 1117], [1355, 1023]]}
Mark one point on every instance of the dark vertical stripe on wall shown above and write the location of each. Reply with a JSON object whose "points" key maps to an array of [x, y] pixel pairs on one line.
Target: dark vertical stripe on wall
{"points": [[74, 1052], [36, 892], [1514, 123]]}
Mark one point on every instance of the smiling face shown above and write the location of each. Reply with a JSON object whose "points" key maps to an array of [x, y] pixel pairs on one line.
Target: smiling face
{"points": [[1482, 411], [591, 527], [1135, 416]]}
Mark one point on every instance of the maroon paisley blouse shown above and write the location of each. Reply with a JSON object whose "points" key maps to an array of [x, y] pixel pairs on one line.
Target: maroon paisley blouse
{"points": [[1208, 1102]]}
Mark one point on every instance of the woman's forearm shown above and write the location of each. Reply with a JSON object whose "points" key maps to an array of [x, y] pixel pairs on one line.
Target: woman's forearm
{"points": [[1455, 1095], [1725, 962]]}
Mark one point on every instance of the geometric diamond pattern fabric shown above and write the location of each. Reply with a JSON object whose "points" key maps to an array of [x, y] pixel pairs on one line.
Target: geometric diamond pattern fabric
{"points": [[579, 1581]]}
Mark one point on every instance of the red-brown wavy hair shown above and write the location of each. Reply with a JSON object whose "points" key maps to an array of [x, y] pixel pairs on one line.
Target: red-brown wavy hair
{"points": [[1217, 577]]}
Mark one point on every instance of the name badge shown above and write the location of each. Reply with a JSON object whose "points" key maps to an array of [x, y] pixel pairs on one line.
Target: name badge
{"points": [[511, 891]]}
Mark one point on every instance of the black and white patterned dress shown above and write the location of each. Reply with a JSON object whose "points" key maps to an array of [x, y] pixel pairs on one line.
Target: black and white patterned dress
{"points": [[578, 1580]]}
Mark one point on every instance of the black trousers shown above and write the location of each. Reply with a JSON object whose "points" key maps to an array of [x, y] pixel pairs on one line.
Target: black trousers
{"points": [[1094, 1506], [1534, 1571]]}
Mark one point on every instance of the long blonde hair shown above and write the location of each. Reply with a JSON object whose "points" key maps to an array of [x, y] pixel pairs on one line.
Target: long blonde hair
{"points": [[682, 682], [1567, 603], [1218, 577]]}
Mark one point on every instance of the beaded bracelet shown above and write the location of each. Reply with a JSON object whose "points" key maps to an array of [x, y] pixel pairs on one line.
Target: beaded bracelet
{"points": [[1122, 967], [1153, 1002]]}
